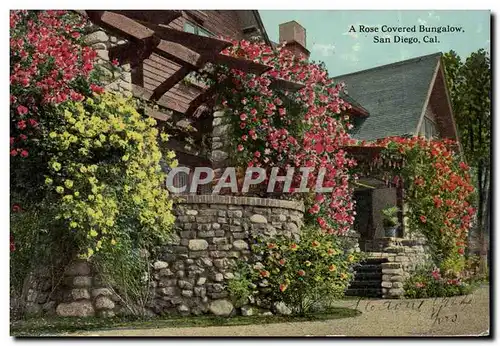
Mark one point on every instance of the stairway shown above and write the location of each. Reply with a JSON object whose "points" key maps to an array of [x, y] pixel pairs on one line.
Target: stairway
{"points": [[367, 279]]}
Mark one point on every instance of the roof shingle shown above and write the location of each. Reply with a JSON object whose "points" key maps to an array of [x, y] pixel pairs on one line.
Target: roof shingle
{"points": [[393, 94]]}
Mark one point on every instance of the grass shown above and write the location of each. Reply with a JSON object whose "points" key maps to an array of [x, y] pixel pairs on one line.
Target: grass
{"points": [[59, 325]]}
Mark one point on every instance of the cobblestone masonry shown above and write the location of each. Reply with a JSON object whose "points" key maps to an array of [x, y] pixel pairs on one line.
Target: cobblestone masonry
{"points": [[214, 231], [101, 42], [404, 256], [190, 277]]}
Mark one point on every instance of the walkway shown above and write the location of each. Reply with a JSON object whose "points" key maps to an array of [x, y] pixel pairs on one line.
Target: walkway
{"points": [[466, 315]]}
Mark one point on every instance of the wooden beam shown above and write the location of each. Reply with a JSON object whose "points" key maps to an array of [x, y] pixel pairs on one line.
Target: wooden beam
{"points": [[151, 16], [137, 75], [287, 85], [359, 111], [134, 53], [168, 103], [157, 114], [131, 52], [239, 64], [170, 82], [199, 100], [120, 24], [193, 41], [179, 54]]}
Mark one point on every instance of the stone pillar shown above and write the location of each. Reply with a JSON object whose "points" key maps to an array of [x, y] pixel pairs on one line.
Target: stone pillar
{"points": [[352, 241], [220, 135], [101, 42], [392, 280], [85, 294]]}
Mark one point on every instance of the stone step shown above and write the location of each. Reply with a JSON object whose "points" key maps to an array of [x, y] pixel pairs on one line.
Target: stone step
{"points": [[372, 268], [366, 284], [361, 276], [364, 292], [374, 260]]}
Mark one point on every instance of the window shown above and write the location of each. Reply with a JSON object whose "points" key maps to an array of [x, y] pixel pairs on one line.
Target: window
{"points": [[430, 128], [197, 30]]}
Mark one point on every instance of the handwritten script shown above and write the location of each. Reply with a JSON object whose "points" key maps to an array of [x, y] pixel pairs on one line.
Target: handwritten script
{"points": [[439, 310]]}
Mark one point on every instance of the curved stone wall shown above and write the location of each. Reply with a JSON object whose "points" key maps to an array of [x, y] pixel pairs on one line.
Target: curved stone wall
{"points": [[211, 233]]}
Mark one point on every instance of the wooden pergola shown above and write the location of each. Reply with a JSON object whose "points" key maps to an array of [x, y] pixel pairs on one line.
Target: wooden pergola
{"points": [[147, 33]]}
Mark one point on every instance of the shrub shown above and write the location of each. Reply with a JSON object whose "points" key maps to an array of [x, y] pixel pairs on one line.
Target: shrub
{"points": [[427, 283], [102, 192], [241, 287], [438, 192], [85, 169], [299, 274], [105, 171], [273, 128]]}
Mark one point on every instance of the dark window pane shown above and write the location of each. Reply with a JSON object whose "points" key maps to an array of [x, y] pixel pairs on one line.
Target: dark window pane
{"points": [[430, 129], [205, 33], [188, 27]]}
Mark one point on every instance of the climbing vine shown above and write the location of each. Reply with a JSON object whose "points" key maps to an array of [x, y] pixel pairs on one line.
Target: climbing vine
{"points": [[270, 127], [86, 178], [438, 191], [106, 171]]}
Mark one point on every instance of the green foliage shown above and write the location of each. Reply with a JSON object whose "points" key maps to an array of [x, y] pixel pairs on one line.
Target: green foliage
{"points": [[240, 287], [126, 271], [300, 274], [38, 249], [469, 83], [438, 190], [453, 265], [390, 216], [85, 168], [105, 171], [427, 283], [102, 198]]}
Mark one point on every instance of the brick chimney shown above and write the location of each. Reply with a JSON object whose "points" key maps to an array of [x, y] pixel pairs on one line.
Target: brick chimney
{"points": [[295, 36]]}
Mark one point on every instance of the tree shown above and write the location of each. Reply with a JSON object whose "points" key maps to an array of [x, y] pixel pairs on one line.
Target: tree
{"points": [[469, 84]]}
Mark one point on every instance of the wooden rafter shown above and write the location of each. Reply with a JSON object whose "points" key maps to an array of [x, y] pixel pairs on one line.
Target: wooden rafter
{"points": [[199, 100], [151, 16], [190, 51], [125, 26], [143, 93], [179, 54], [283, 84], [133, 53], [168, 83], [239, 64], [187, 39]]}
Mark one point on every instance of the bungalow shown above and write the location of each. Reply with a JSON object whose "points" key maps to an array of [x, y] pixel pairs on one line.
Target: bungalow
{"points": [[406, 98]]}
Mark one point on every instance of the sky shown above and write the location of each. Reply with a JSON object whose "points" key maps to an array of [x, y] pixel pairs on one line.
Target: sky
{"points": [[329, 40]]}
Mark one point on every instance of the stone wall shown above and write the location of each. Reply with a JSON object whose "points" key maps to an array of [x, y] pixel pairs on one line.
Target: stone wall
{"points": [[212, 233], [219, 152], [101, 42], [403, 257], [84, 295], [38, 296]]}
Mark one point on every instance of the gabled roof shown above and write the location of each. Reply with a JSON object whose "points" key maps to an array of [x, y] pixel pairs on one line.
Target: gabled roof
{"points": [[252, 25], [394, 95]]}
